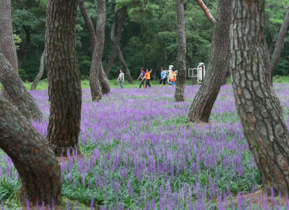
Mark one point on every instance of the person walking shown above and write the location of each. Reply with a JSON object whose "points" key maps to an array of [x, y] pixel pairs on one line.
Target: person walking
{"points": [[173, 78], [148, 77], [121, 78], [163, 77], [142, 76]]}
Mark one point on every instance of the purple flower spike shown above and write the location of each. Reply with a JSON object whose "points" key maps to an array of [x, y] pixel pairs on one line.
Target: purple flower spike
{"points": [[91, 204]]}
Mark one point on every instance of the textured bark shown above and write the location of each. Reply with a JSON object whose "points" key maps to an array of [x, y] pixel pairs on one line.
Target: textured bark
{"points": [[204, 100], [38, 168], [117, 39], [40, 73], [181, 80], [104, 82], [263, 124], [18, 92], [63, 76], [7, 39], [227, 71], [206, 11], [24, 47], [96, 63], [279, 44]]}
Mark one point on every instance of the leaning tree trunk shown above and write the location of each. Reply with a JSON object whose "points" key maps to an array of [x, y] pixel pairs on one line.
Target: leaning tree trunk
{"points": [[204, 100], [206, 11], [14, 86], [123, 63], [40, 73], [37, 166], [96, 63], [118, 36], [279, 44], [24, 47], [263, 124], [63, 76], [104, 82], [7, 39], [190, 61], [181, 80]]}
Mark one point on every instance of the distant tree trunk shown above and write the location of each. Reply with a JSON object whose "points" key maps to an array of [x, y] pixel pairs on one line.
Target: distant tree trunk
{"points": [[37, 166], [40, 73], [18, 92], [279, 44], [206, 11], [123, 63], [96, 63], [204, 100], [116, 41], [190, 61], [7, 39], [63, 76], [104, 82], [181, 80], [263, 125], [24, 47]]}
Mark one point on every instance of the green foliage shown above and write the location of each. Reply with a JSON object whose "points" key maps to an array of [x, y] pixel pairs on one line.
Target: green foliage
{"points": [[17, 41]]}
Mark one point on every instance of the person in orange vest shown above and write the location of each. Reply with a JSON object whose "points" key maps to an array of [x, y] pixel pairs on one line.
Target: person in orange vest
{"points": [[173, 78], [148, 77]]}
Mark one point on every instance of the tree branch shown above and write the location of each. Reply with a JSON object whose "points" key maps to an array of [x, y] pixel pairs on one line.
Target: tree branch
{"points": [[206, 11], [30, 11]]}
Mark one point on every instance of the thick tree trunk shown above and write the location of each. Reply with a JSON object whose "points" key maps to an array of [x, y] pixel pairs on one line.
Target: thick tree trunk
{"points": [[104, 82], [123, 63], [18, 92], [181, 80], [263, 124], [24, 47], [204, 100], [118, 36], [63, 76], [35, 162], [7, 39], [96, 63], [279, 44], [206, 11], [227, 71], [40, 73]]}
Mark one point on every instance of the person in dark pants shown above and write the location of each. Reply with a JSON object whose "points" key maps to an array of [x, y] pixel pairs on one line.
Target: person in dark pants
{"points": [[163, 77], [148, 77], [142, 77]]}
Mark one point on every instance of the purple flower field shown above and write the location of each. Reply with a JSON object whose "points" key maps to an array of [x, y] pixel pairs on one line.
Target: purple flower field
{"points": [[140, 154]]}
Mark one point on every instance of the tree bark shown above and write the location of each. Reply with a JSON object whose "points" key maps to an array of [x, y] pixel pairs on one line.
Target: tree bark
{"points": [[96, 63], [104, 82], [279, 44], [24, 47], [190, 61], [227, 71], [17, 91], [181, 80], [63, 76], [123, 63], [40, 73], [263, 124], [118, 36], [38, 168], [204, 100], [206, 11], [7, 39]]}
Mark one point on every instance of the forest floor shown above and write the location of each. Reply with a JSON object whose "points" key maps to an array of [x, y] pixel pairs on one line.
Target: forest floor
{"points": [[140, 154]]}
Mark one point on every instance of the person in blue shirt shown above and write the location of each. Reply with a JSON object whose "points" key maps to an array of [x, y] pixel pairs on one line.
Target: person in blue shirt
{"points": [[163, 77]]}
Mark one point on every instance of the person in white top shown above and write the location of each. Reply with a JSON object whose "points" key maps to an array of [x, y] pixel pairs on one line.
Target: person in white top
{"points": [[121, 78]]}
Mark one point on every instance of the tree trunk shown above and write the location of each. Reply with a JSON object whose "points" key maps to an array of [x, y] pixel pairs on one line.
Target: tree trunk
{"points": [[118, 36], [227, 71], [126, 70], [263, 125], [38, 168], [39, 75], [190, 61], [204, 100], [24, 47], [206, 11], [181, 80], [104, 82], [63, 76], [279, 44], [7, 39], [17, 91], [96, 63]]}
